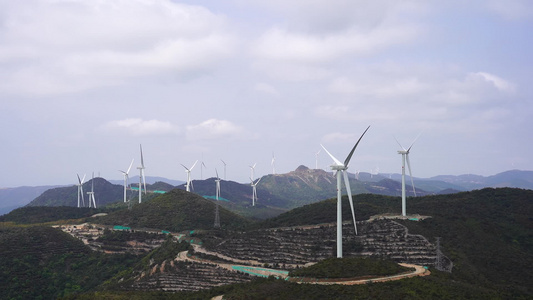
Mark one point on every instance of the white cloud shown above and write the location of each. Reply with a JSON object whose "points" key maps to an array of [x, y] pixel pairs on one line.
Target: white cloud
{"points": [[500, 83], [282, 45], [214, 129], [140, 127], [70, 45]]}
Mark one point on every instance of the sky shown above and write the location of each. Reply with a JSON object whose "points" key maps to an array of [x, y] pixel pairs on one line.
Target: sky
{"points": [[84, 83]]}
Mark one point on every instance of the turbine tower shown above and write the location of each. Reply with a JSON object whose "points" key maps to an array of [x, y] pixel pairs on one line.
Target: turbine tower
{"points": [[126, 179], [141, 176], [405, 156], [91, 194], [80, 190], [341, 168], [254, 190], [188, 171], [217, 214]]}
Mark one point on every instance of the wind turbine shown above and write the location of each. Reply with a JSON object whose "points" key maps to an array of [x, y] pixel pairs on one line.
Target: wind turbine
{"points": [[316, 158], [202, 166], [188, 171], [91, 194], [252, 168], [254, 190], [126, 179], [405, 156], [141, 176], [80, 190], [273, 163], [217, 180], [224, 168], [341, 168], [217, 213]]}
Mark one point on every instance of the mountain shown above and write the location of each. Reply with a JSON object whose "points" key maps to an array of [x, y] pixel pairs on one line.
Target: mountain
{"points": [[104, 193], [176, 210], [11, 198], [149, 180], [513, 178], [486, 233]]}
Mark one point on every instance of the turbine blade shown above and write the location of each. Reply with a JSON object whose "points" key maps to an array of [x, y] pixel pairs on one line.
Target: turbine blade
{"points": [[223, 162], [83, 179], [251, 180], [216, 172], [144, 181], [130, 166], [347, 161], [410, 174], [193, 165], [79, 180], [258, 180], [400, 144], [184, 167], [254, 166], [414, 142], [337, 162], [142, 159], [349, 191]]}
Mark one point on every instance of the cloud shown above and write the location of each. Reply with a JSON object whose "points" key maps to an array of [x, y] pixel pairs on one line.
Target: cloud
{"points": [[501, 84], [213, 129], [107, 43], [140, 127]]}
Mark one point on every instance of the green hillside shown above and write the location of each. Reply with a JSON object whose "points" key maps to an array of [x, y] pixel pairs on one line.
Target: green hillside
{"points": [[45, 263], [43, 214], [176, 210], [488, 233]]}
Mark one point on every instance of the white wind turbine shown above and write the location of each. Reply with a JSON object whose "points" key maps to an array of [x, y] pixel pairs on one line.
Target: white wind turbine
{"points": [[80, 190], [316, 158], [126, 177], [217, 180], [217, 212], [254, 190], [91, 194], [252, 168], [341, 168], [224, 168], [405, 156], [141, 176], [202, 166], [188, 171], [273, 163]]}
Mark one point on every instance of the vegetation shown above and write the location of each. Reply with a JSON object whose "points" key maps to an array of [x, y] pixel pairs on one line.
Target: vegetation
{"points": [[174, 211], [39, 262], [36, 214], [486, 233], [349, 267]]}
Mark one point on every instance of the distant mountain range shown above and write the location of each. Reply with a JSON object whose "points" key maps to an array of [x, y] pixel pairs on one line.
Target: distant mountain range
{"points": [[276, 192]]}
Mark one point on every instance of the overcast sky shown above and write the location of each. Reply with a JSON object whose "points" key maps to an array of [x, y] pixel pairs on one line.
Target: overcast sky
{"points": [[83, 83]]}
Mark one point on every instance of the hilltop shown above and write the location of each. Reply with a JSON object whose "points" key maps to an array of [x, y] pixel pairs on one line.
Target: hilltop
{"points": [[175, 211]]}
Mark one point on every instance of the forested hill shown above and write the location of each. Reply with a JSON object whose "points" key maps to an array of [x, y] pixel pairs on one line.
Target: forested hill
{"points": [[487, 233], [176, 210]]}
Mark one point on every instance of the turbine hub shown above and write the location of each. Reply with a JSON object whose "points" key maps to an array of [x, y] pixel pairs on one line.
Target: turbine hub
{"points": [[338, 167]]}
